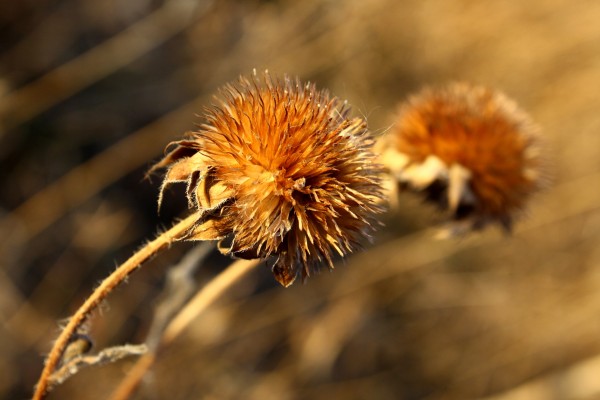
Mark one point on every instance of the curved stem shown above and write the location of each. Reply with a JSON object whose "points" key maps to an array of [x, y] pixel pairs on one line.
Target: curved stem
{"points": [[101, 292], [195, 306]]}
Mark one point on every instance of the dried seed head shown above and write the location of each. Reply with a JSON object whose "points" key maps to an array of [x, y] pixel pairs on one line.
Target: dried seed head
{"points": [[471, 151], [278, 169]]}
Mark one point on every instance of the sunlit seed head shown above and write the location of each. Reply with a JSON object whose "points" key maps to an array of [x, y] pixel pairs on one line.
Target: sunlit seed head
{"points": [[470, 150], [279, 169]]}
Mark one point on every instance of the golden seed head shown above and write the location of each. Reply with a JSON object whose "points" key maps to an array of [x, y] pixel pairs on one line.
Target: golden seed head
{"points": [[471, 150], [278, 169]]}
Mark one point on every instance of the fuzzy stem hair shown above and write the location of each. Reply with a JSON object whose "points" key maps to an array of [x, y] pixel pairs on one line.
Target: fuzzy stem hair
{"points": [[43, 385]]}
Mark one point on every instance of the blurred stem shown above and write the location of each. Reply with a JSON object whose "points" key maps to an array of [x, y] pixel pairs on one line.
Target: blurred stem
{"points": [[204, 298], [101, 292]]}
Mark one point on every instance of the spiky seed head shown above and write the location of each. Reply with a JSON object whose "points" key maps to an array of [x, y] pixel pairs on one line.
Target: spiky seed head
{"points": [[278, 169], [471, 150]]}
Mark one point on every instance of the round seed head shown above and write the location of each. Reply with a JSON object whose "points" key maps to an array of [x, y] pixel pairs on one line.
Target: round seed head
{"points": [[471, 151], [278, 169]]}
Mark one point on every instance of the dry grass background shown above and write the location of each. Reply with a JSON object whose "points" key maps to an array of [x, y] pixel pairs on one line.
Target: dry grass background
{"points": [[92, 90]]}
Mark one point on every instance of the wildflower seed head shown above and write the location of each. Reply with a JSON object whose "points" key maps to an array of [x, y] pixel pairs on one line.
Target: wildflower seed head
{"points": [[471, 151], [278, 169]]}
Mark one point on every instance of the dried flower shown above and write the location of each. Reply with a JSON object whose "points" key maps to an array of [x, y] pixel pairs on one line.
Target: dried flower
{"points": [[278, 169], [470, 150]]}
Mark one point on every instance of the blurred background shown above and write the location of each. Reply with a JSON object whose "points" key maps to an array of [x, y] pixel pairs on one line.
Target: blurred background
{"points": [[92, 90]]}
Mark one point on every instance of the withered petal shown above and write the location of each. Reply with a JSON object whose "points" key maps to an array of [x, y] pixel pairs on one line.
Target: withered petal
{"points": [[180, 171], [284, 274], [208, 229], [212, 193]]}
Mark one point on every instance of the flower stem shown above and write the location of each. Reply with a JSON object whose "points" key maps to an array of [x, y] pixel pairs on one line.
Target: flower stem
{"points": [[113, 280], [195, 306]]}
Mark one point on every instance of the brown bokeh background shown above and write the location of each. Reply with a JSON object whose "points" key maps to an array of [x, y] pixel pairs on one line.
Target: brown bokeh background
{"points": [[90, 93]]}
